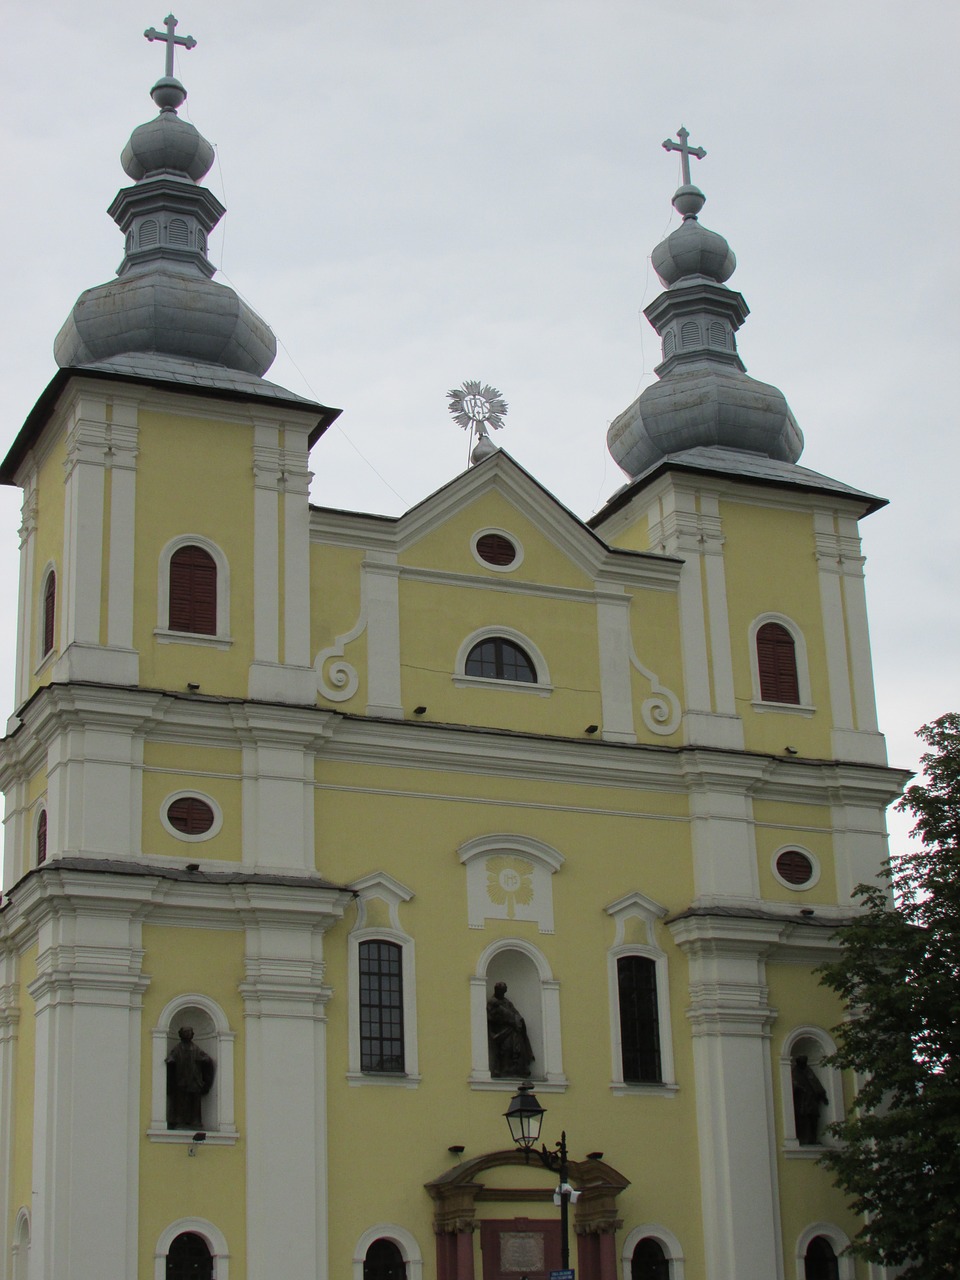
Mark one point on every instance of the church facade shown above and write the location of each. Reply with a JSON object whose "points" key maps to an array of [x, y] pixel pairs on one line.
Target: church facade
{"points": [[326, 830]]}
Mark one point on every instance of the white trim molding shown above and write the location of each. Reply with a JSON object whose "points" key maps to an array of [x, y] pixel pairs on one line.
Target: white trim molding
{"points": [[216, 1242], [667, 1241], [639, 907], [543, 687], [805, 705], [384, 887], [401, 1237], [838, 1239], [221, 639]]}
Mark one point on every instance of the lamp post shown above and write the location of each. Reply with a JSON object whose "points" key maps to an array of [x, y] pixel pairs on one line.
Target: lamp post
{"points": [[525, 1116]]}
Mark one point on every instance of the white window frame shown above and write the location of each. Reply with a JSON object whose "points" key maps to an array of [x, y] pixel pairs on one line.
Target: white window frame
{"points": [[805, 706], [22, 1244], [43, 658], [838, 1239], [543, 688], [548, 1076], [225, 1134], [814, 864], [514, 541], [401, 1237], [829, 1077], [393, 893], [216, 1243], [665, 1238], [221, 639], [191, 793], [638, 906]]}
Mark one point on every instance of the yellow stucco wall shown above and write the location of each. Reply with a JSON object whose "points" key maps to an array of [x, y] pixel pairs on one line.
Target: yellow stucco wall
{"points": [[173, 1185]]}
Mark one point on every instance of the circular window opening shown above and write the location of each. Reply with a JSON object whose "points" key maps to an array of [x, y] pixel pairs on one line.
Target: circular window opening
{"points": [[794, 867], [494, 548], [191, 815]]}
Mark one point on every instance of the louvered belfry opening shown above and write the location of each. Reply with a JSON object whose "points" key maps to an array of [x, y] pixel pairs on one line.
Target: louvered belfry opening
{"points": [[777, 664], [193, 591]]}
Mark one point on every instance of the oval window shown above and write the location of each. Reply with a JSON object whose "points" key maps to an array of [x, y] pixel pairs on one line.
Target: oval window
{"points": [[191, 815], [494, 548], [794, 867]]}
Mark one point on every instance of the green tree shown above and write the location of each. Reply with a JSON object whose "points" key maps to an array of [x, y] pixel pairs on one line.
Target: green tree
{"points": [[898, 971]]}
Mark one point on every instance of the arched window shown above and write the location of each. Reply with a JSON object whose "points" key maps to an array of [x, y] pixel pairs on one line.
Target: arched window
{"points": [[820, 1261], [640, 1031], [382, 987], [49, 613], [384, 1261], [649, 1262], [149, 233], [189, 1258], [689, 334], [499, 659], [777, 664], [639, 1020], [177, 232], [42, 837], [381, 1006], [193, 591]]}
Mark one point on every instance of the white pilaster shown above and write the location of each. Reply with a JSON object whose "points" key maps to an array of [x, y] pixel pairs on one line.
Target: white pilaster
{"points": [[278, 792], [88, 993], [730, 1020], [722, 829], [286, 1078], [123, 435], [616, 691], [693, 533], [281, 484], [381, 598], [94, 791], [29, 606], [9, 1023], [83, 522]]}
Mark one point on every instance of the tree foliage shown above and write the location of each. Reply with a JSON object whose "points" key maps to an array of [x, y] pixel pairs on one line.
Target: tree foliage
{"points": [[898, 971]]}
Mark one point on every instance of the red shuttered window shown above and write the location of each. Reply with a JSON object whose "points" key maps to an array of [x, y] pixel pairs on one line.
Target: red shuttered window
{"points": [[49, 611], [193, 591], [42, 837], [777, 664]]}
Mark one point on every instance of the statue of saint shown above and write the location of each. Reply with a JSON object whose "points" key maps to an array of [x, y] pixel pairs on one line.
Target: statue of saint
{"points": [[510, 1051], [809, 1096], [190, 1074]]}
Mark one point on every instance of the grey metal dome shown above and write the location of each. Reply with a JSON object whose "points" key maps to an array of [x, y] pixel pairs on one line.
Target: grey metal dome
{"points": [[164, 300], [167, 144], [703, 397]]}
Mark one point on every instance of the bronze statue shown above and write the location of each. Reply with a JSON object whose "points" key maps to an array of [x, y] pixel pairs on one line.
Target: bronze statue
{"points": [[809, 1096], [510, 1051], [190, 1074]]}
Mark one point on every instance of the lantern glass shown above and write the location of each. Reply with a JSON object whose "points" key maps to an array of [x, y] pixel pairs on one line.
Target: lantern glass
{"points": [[525, 1116]]}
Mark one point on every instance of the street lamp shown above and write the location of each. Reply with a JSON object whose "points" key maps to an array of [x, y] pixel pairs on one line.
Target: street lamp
{"points": [[525, 1116]]}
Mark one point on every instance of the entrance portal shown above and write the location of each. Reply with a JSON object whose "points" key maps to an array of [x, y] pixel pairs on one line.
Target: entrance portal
{"points": [[518, 1248]]}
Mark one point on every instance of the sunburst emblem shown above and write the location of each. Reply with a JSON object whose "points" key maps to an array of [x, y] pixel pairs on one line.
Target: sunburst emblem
{"points": [[475, 408]]}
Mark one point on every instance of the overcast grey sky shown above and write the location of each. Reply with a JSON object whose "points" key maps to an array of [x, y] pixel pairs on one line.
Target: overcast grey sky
{"points": [[424, 191]]}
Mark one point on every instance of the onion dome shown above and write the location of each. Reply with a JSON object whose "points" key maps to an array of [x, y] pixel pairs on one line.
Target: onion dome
{"points": [[164, 300], [703, 397]]}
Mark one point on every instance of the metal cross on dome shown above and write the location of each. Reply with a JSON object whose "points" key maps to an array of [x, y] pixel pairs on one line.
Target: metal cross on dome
{"points": [[170, 40], [685, 152]]}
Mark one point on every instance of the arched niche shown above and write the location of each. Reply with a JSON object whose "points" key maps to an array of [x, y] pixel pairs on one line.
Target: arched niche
{"points": [[532, 987]]}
